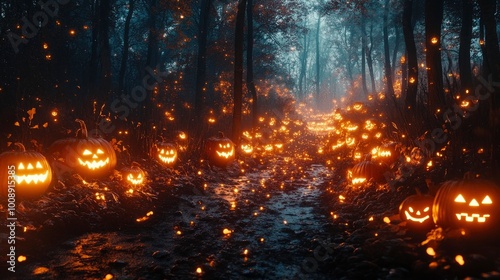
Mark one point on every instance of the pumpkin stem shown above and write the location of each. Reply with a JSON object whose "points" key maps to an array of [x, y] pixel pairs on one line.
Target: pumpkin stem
{"points": [[368, 157], [135, 164], [221, 134], [83, 129], [20, 146]]}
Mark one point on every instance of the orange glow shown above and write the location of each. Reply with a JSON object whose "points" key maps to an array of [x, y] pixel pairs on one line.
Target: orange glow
{"points": [[434, 40]]}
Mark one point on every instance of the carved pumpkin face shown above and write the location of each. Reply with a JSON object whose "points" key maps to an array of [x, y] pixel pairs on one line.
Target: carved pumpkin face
{"points": [[219, 150], [388, 153], [32, 172], [134, 176], [468, 203], [91, 157], [416, 210], [246, 148], [165, 153], [364, 171]]}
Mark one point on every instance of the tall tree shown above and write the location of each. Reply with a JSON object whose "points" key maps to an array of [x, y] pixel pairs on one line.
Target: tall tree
{"points": [[105, 52], [492, 51], [238, 70], [363, 53], [126, 43], [433, 22], [318, 68], [411, 55], [201, 68], [250, 78], [369, 59], [465, 45], [387, 57]]}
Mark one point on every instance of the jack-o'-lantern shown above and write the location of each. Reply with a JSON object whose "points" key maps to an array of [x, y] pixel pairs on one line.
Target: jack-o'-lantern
{"points": [[388, 153], [416, 210], [165, 153], [365, 171], [219, 150], [246, 148], [91, 157], [469, 203], [29, 169], [134, 175]]}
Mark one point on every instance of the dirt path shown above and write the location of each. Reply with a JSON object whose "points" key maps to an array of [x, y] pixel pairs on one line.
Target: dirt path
{"points": [[264, 224]]}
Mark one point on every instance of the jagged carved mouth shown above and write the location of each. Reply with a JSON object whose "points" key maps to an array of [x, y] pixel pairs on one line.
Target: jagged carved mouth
{"points": [[92, 165], [226, 154], [470, 218], [411, 218], [32, 178], [167, 160]]}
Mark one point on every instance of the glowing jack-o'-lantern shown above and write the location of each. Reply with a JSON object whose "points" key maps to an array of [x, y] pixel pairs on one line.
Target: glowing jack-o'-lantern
{"points": [[219, 150], [388, 153], [134, 175], [416, 210], [469, 203], [29, 169], [246, 148], [366, 170], [91, 157], [165, 153]]}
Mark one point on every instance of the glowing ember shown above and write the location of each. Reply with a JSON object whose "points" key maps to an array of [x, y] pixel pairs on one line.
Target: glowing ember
{"points": [[430, 251], [459, 259]]}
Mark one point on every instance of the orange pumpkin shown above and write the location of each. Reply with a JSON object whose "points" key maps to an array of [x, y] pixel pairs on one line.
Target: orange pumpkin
{"points": [[219, 150], [29, 169], [91, 157]]}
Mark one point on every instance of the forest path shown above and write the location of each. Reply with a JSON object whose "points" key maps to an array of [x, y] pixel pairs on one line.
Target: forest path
{"points": [[262, 224]]}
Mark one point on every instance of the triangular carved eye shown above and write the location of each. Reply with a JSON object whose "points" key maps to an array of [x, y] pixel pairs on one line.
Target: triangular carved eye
{"points": [[460, 199], [30, 166], [38, 165], [21, 166], [410, 209], [87, 152], [487, 200], [99, 152], [162, 151], [426, 209]]}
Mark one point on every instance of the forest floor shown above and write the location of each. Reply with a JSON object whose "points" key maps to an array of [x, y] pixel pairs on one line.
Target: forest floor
{"points": [[278, 217]]}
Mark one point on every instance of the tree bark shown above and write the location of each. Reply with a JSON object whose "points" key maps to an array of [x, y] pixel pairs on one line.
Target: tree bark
{"points": [[250, 78], [238, 71], [106, 75], [303, 64], [126, 43], [387, 58], [433, 21], [411, 56], [369, 60], [318, 68], [464, 49], [363, 54]]}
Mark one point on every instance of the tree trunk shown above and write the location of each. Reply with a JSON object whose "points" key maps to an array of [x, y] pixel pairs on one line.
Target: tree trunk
{"points": [[369, 60], [396, 48], [465, 42], [250, 79], [363, 54], [488, 8], [238, 70], [303, 64], [105, 51], [201, 68], [126, 43], [318, 68], [93, 64], [387, 58], [433, 21], [411, 56]]}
